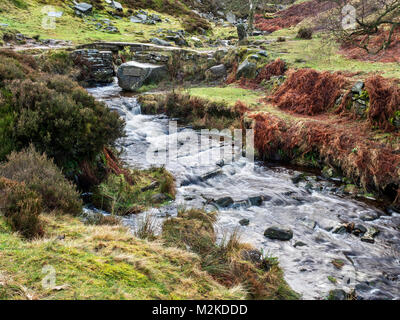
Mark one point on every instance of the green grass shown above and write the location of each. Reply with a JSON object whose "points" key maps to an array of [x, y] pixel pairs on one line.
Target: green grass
{"points": [[228, 94], [100, 262], [323, 55]]}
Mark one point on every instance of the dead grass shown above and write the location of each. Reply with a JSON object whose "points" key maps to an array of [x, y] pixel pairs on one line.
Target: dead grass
{"points": [[277, 67], [340, 143], [384, 103], [309, 92]]}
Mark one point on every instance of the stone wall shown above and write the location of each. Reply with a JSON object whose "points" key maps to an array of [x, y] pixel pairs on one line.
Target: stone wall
{"points": [[95, 65]]}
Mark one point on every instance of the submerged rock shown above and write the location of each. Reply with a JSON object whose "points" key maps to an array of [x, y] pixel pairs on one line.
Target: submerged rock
{"points": [[211, 174], [279, 233], [244, 222], [224, 202], [133, 75]]}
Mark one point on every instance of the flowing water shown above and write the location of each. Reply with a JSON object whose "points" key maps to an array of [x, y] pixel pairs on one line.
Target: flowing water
{"points": [[267, 196]]}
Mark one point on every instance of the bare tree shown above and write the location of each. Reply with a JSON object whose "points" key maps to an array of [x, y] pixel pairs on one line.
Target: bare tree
{"points": [[357, 21]]}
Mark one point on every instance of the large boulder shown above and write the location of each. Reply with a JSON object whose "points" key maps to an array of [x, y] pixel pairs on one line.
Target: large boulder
{"points": [[133, 75], [83, 8], [230, 17], [218, 71]]}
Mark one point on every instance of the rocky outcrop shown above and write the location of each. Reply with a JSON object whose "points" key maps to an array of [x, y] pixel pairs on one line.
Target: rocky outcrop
{"points": [[133, 75], [246, 69], [95, 65]]}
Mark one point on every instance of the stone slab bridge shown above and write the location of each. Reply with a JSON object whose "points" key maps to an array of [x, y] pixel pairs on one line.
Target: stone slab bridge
{"points": [[137, 47]]}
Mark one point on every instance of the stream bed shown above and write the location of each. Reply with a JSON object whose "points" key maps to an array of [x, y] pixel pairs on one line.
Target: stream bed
{"points": [[264, 196]]}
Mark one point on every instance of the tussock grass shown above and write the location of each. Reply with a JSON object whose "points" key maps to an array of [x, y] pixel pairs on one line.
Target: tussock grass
{"points": [[226, 261]]}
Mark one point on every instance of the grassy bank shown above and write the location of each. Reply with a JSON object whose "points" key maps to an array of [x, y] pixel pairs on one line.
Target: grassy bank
{"points": [[100, 262], [27, 16]]}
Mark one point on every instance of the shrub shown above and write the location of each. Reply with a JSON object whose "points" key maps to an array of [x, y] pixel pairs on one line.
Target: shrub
{"points": [[62, 120], [305, 33], [58, 62], [10, 70], [51, 111], [43, 177], [21, 206]]}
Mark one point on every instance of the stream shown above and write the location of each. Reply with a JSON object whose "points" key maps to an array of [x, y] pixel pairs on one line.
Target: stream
{"points": [[267, 196]]}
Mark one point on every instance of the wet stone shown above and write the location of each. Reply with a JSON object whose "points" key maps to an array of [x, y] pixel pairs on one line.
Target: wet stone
{"points": [[370, 216], [279, 233], [224, 202], [244, 222], [299, 244], [370, 235], [340, 229], [359, 230], [297, 178], [256, 201]]}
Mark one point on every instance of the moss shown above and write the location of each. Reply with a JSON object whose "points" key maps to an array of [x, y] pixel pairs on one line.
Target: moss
{"points": [[332, 279]]}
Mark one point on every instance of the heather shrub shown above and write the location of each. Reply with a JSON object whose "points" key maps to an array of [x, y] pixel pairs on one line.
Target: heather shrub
{"points": [[52, 112], [58, 62], [43, 177], [60, 119], [305, 33], [21, 206], [9, 69]]}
